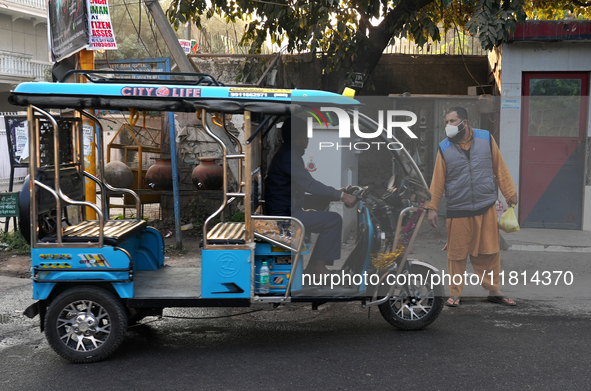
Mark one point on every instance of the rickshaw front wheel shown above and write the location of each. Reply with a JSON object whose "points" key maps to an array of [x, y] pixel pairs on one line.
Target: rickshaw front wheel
{"points": [[85, 324], [415, 305]]}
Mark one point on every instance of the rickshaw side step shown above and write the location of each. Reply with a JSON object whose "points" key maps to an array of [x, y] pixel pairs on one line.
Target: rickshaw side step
{"points": [[172, 282], [185, 302], [115, 232]]}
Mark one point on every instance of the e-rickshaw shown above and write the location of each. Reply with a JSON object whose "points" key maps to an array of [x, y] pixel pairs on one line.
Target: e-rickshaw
{"points": [[93, 277]]}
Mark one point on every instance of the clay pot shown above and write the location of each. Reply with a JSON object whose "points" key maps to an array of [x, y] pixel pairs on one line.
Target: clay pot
{"points": [[117, 174], [159, 176], [208, 175]]}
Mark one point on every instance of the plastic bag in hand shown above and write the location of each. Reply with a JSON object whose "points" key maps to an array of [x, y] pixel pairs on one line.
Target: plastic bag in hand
{"points": [[508, 221]]}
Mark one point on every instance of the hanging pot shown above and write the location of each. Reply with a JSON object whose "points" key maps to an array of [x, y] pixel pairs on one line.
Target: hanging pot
{"points": [[159, 176], [208, 175]]}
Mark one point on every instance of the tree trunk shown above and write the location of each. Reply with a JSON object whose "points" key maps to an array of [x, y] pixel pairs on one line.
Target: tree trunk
{"points": [[369, 50], [368, 59]]}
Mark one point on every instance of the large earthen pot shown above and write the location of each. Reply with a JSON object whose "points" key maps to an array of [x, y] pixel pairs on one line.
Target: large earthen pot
{"points": [[208, 175], [118, 174], [159, 175]]}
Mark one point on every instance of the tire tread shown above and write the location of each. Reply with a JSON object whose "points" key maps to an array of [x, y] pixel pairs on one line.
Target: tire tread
{"points": [[82, 293]]}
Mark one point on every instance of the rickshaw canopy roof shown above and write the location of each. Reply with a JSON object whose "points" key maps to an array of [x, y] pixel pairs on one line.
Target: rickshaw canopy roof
{"points": [[168, 95]]}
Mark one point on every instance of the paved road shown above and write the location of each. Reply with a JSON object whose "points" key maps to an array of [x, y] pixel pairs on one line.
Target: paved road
{"points": [[537, 345]]}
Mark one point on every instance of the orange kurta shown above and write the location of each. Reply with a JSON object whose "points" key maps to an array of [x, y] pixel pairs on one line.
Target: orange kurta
{"points": [[478, 234]]}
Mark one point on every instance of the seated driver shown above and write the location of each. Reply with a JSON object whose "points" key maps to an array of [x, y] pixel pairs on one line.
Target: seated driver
{"points": [[286, 185]]}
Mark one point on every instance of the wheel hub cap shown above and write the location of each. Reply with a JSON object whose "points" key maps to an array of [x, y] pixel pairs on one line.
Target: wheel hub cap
{"points": [[84, 324]]}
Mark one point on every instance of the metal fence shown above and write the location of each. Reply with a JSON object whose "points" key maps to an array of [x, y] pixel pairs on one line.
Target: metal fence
{"points": [[452, 43], [22, 65]]}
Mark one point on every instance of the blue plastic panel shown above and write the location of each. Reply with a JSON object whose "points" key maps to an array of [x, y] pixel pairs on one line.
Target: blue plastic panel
{"points": [[226, 273], [80, 264]]}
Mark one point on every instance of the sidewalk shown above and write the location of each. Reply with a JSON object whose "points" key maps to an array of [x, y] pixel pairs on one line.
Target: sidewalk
{"points": [[557, 240]]}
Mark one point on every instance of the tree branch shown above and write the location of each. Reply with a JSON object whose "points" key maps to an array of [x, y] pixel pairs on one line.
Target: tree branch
{"points": [[364, 19], [393, 19], [581, 4]]}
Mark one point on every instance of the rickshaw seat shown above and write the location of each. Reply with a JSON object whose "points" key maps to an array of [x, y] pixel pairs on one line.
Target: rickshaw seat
{"points": [[227, 233], [232, 233], [115, 232]]}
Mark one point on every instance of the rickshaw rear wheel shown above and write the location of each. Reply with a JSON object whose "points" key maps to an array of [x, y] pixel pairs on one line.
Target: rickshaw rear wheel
{"points": [[414, 306], [85, 324]]}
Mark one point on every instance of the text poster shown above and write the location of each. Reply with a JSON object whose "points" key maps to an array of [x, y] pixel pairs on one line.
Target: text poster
{"points": [[100, 27]]}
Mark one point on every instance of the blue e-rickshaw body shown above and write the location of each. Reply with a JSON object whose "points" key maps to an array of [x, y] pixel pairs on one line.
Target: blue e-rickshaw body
{"points": [[110, 272]]}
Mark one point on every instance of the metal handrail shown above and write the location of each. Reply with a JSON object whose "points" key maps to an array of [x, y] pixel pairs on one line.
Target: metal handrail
{"points": [[239, 155], [204, 78], [297, 250], [58, 211], [99, 148], [57, 191], [99, 213], [116, 190], [101, 182], [403, 261], [225, 174]]}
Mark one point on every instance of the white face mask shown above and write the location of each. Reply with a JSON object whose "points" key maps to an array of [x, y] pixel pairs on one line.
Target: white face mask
{"points": [[452, 130]]}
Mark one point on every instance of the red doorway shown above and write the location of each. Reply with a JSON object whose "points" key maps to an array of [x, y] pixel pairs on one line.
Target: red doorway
{"points": [[553, 134]]}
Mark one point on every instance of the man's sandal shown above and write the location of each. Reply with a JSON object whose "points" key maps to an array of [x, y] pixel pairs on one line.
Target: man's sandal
{"points": [[504, 300], [453, 301]]}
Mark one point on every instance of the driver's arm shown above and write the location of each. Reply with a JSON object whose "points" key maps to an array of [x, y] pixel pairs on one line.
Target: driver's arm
{"points": [[304, 180]]}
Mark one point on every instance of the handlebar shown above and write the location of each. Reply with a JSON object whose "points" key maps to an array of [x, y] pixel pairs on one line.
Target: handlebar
{"points": [[357, 191], [360, 191]]}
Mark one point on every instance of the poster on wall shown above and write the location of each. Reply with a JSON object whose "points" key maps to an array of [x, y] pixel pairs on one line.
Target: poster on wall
{"points": [[67, 27], [79, 24], [17, 130], [189, 45], [101, 32], [186, 45]]}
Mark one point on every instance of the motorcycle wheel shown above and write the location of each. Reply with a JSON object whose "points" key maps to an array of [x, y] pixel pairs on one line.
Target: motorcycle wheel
{"points": [[414, 307], [85, 324]]}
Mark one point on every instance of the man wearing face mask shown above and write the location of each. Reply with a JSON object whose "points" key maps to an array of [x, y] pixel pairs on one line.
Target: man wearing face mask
{"points": [[468, 168]]}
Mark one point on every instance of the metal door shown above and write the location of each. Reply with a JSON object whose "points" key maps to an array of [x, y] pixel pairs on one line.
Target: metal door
{"points": [[553, 149]]}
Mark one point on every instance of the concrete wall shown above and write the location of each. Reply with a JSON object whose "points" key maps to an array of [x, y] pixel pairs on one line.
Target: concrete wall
{"points": [[394, 74], [24, 36], [426, 74], [509, 64]]}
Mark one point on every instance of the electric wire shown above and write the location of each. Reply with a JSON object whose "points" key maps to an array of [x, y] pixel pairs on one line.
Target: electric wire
{"points": [[150, 20], [136, 30], [464, 60]]}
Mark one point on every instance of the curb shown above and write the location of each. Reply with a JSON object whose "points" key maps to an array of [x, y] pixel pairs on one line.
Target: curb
{"points": [[546, 247]]}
